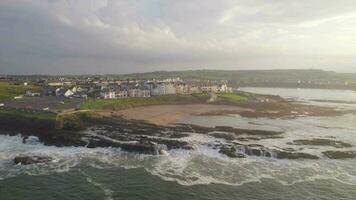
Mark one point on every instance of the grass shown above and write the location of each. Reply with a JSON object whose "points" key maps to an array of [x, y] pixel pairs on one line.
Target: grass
{"points": [[36, 115], [9, 90], [234, 97], [116, 104]]}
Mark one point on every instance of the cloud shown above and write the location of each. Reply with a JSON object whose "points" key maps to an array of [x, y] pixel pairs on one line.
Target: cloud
{"points": [[118, 36]]}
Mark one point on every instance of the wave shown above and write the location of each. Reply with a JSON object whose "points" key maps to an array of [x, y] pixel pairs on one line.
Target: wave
{"points": [[201, 166]]}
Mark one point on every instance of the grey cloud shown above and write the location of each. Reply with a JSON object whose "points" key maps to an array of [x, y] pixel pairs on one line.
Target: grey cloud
{"points": [[107, 36]]}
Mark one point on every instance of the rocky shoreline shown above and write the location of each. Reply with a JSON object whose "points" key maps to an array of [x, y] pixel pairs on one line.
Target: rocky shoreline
{"points": [[146, 138], [94, 129]]}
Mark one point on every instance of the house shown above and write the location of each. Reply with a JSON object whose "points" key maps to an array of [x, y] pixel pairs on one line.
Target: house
{"points": [[182, 88], [59, 92], [144, 92], [122, 94], [139, 91], [108, 94], [209, 88], [224, 88], [49, 91], [68, 93], [194, 89], [163, 89]]}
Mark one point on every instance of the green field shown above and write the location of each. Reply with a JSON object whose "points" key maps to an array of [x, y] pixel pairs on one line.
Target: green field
{"points": [[9, 90], [234, 98], [117, 104]]}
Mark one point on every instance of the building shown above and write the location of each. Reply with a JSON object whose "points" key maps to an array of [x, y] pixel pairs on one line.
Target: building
{"points": [[139, 92], [68, 93], [163, 89], [108, 94], [122, 94], [182, 88], [209, 88]]}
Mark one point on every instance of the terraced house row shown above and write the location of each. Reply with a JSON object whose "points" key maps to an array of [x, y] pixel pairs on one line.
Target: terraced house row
{"points": [[148, 89]]}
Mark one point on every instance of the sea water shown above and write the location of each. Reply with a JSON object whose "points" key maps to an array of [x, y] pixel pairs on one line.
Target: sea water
{"points": [[203, 173]]}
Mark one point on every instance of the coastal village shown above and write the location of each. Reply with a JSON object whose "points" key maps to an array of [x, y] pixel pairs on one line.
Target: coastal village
{"points": [[120, 89], [76, 90]]}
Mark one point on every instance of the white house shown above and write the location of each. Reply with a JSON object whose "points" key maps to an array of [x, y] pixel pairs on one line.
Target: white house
{"points": [[108, 94], [68, 93], [164, 89], [122, 94]]}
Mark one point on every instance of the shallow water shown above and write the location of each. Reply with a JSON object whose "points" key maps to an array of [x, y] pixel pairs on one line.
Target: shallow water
{"points": [[108, 173]]}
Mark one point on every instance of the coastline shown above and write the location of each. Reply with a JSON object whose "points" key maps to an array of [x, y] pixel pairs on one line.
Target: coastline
{"points": [[153, 129]]}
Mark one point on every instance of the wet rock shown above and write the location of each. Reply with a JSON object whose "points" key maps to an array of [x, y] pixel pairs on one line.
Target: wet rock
{"points": [[340, 154], [255, 138], [294, 155], [225, 136], [257, 150], [238, 131], [169, 143], [29, 160], [231, 152], [322, 142], [136, 147], [178, 135], [239, 151]]}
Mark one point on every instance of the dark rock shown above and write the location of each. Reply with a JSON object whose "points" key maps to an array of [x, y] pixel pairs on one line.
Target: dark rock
{"points": [[135, 147], [231, 152], [235, 151], [29, 160], [225, 136], [322, 142], [340, 154], [294, 155]]}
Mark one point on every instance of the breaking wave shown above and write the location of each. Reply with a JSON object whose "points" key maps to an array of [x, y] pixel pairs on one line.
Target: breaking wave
{"points": [[201, 166]]}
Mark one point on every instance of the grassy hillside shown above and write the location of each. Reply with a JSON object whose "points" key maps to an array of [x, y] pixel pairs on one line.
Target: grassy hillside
{"points": [[21, 120], [34, 115], [9, 90]]}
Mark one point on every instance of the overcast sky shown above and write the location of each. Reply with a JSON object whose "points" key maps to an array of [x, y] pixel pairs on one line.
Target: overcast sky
{"points": [[123, 36]]}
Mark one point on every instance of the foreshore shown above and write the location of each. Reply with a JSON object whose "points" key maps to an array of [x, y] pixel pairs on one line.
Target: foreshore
{"points": [[171, 114], [154, 125]]}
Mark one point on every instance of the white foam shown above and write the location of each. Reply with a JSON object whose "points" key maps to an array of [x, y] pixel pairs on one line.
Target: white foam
{"points": [[203, 165]]}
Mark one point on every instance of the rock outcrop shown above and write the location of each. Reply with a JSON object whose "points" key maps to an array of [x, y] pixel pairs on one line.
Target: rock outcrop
{"points": [[29, 160]]}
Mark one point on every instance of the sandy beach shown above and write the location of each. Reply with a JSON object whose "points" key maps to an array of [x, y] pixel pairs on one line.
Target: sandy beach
{"points": [[171, 114]]}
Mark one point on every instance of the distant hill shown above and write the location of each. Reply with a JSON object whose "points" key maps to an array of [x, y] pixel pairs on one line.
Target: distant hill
{"points": [[241, 75], [268, 78], [261, 78]]}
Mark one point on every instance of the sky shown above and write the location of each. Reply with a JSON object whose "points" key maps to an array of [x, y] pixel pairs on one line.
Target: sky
{"points": [[126, 36]]}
